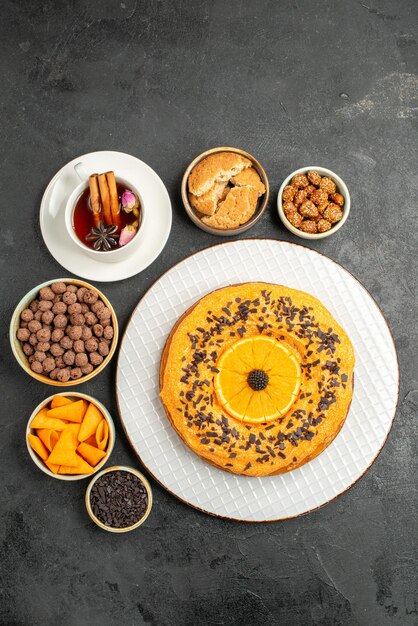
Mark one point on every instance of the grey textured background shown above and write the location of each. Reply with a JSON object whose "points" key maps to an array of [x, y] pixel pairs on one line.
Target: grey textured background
{"points": [[294, 83]]}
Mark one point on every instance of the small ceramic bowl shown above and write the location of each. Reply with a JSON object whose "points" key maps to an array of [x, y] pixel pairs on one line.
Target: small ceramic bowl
{"points": [[74, 396], [341, 188], [112, 256], [191, 212], [147, 486], [17, 346]]}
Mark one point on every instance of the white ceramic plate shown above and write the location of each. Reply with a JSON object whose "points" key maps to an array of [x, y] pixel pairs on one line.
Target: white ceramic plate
{"points": [[152, 235], [210, 489]]}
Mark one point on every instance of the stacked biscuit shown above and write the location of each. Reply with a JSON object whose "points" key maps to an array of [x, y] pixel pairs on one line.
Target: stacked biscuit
{"points": [[224, 189]]}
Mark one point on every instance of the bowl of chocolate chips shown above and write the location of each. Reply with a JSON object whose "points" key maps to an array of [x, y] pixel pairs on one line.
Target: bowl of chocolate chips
{"points": [[119, 499], [313, 202], [64, 332]]}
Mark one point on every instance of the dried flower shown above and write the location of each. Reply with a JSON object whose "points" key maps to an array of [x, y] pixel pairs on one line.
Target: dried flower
{"points": [[129, 201], [127, 234]]}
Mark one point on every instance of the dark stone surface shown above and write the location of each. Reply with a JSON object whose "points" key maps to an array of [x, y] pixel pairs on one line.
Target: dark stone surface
{"points": [[294, 83]]}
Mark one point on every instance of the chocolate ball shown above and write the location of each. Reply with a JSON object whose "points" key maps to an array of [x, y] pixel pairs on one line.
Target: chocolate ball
{"points": [[26, 315], [47, 317], [23, 334], [90, 297], [43, 334], [95, 358], [69, 297], [98, 330], [56, 350], [57, 334], [48, 364], [69, 357], [75, 373], [46, 293], [45, 305], [37, 367], [58, 287], [81, 359], [60, 321], [91, 344], [59, 308], [74, 308], [63, 375], [78, 346]]}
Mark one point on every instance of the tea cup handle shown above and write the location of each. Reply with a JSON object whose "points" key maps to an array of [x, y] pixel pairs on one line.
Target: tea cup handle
{"points": [[81, 172]]}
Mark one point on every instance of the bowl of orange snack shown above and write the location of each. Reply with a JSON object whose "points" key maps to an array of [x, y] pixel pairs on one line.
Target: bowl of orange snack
{"points": [[70, 436]]}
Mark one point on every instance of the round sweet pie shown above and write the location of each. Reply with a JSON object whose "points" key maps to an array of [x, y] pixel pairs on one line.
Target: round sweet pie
{"points": [[257, 378]]}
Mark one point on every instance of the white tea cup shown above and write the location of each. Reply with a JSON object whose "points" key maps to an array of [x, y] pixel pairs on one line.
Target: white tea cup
{"points": [[111, 256]]}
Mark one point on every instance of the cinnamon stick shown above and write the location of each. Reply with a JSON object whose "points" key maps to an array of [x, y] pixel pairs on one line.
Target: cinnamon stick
{"points": [[105, 198], [95, 199], [114, 200]]}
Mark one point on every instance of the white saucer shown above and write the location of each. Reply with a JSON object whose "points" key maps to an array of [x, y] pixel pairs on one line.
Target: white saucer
{"points": [[153, 235]]}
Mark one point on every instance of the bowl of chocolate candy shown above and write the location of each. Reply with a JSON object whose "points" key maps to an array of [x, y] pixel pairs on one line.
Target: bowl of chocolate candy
{"points": [[63, 332]]}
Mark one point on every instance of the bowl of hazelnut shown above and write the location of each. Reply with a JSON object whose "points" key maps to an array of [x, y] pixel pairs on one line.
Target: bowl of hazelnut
{"points": [[64, 332], [313, 202]]}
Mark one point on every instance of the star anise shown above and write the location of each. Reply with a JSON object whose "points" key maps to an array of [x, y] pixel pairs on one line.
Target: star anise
{"points": [[104, 237]]}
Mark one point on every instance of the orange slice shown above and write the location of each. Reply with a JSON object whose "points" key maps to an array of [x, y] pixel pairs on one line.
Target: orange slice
{"points": [[279, 378]]}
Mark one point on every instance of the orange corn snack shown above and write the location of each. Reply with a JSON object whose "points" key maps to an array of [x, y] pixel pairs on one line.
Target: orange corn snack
{"points": [[82, 467], [91, 454], [73, 412], [102, 434], [48, 437], [59, 401], [91, 420], [37, 445], [42, 421], [64, 450]]}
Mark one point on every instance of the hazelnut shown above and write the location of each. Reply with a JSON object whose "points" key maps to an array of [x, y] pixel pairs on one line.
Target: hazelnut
{"points": [[333, 213], [59, 362], [314, 177], [300, 196], [23, 334], [58, 287], [74, 332], [33, 339], [34, 326], [45, 305], [294, 218], [81, 359], [108, 332], [48, 364], [86, 333], [43, 346], [39, 356], [78, 346], [80, 293], [91, 344], [27, 349], [54, 373], [46, 293], [337, 198], [60, 321], [59, 308], [63, 375], [86, 369], [34, 306], [74, 308], [69, 297], [308, 226], [57, 334], [26, 315], [308, 209], [75, 373], [323, 225], [319, 196], [98, 330], [47, 317], [95, 358], [99, 305], [56, 349], [289, 193], [328, 185], [69, 357], [66, 342], [90, 297], [36, 367], [77, 319], [104, 348], [43, 334], [300, 181], [90, 318]]}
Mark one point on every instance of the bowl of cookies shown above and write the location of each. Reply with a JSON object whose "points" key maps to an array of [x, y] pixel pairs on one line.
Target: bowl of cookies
{"points": [[63, 332], [313, 202], [225, 191]]}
